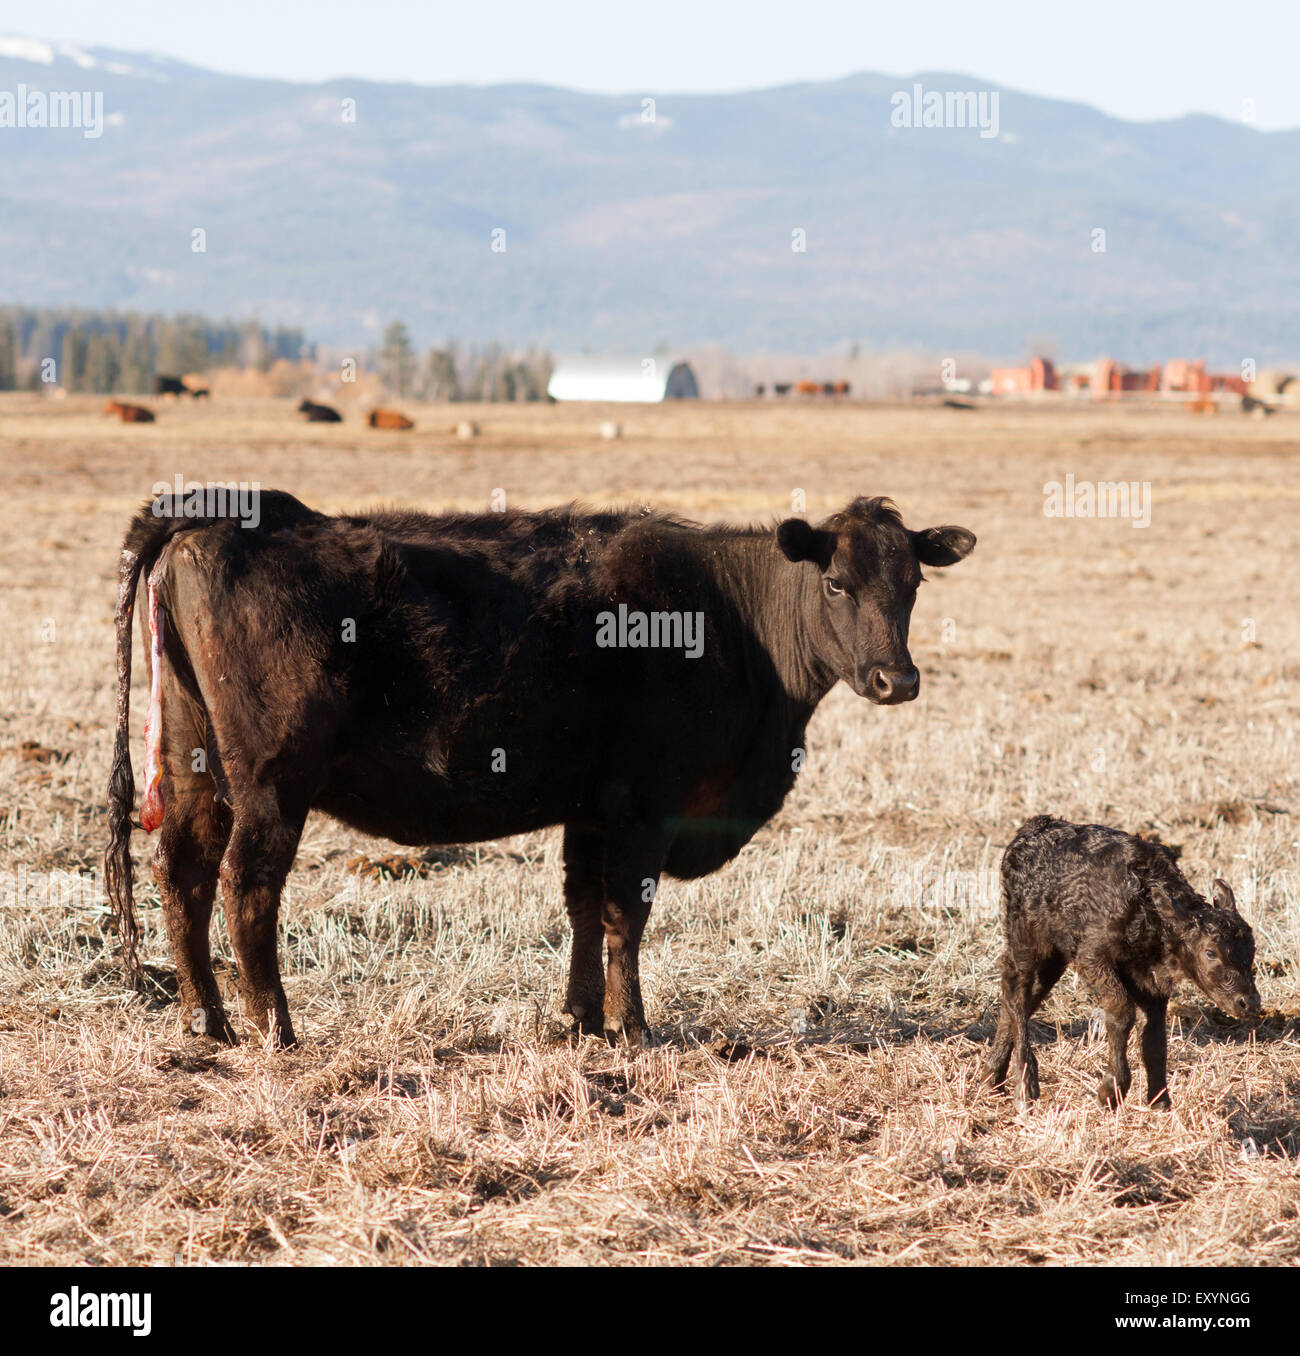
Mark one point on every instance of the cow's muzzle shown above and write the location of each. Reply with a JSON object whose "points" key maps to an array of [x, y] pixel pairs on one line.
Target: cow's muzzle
{"points": [[888, 687]]}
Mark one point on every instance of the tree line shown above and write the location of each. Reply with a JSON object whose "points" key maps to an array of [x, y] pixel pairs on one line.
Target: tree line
{"points": [[109, 352], [455, 371]]}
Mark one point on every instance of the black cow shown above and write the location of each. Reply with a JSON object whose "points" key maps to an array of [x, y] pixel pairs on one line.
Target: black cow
{"points": [[319, 414], [643, 681], [163, 385]]}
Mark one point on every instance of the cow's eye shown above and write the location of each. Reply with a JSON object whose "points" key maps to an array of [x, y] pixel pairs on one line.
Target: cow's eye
{"points": [[834, 587], [1211, 953]]}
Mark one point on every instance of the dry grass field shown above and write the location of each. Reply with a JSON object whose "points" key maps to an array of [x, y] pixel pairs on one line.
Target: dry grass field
{"points": [[819, 1006]]}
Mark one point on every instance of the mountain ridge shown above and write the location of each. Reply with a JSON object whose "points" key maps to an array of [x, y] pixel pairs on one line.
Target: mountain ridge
{"points": [[624, 233]]}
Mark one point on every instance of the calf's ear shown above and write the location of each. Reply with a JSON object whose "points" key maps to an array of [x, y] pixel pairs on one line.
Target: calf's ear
{"points": [[800, 540], [943, 545], [1223, 896], [1166, 905]]}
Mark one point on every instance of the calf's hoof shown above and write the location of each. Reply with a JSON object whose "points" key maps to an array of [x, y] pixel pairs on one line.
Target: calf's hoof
{"points": [[1108, 1093], [1026, 1093], [1161, 1101], [992, 1075]]}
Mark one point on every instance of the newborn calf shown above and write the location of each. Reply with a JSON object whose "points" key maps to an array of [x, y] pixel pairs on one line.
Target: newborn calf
{"points": [[1119, 910]]}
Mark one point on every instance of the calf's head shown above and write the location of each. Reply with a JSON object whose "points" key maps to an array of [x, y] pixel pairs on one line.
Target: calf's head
{"points": [[869, 567], [1216, 949]]}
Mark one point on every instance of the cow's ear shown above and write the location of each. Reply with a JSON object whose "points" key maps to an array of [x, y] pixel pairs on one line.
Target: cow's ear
{"points": [[943, 545], [800, 540], [1223, 896]]}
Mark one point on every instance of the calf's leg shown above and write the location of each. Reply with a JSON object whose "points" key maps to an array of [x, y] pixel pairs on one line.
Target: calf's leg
{"points": [[1025, 986], [1120, 1016], [1155, 1051], [1004, 1039]]}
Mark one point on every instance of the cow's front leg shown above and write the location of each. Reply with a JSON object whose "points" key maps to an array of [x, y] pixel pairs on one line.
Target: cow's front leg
{"points": [[632, 866], [584, 891]]}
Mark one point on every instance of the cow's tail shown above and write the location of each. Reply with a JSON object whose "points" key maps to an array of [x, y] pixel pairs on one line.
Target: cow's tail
{"points": [[144, 543]]}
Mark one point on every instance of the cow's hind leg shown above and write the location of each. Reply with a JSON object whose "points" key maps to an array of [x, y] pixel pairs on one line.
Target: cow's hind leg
{"points": [[186, 862], [267, 826], [584, 884], [192, 838]]}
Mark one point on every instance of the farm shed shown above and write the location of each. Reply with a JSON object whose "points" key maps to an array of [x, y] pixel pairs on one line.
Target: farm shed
{"points": [[645, 380]]}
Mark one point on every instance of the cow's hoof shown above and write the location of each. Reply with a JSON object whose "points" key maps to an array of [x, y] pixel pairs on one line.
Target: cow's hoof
{"points": [[278, 1036], [1108, 1093], [208, 1023], [584, 1025], [1161, 1101], [632, 1034], [588, 1018]]}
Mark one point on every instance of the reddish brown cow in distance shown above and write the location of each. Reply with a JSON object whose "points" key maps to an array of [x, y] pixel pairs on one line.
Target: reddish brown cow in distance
{"points": [[643, 681], [129, 414], [388, 419]]}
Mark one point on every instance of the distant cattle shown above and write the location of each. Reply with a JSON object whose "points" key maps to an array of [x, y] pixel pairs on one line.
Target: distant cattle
{"points": [[388, 419], [319, 414], [173, 386], [129, 414], [808, 388], [781, 388], [643, 681], [842, 388], [200, 393]]}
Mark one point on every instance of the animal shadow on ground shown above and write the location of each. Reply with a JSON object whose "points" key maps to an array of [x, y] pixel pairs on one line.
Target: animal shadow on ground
{"points": [[1270, 1126]]}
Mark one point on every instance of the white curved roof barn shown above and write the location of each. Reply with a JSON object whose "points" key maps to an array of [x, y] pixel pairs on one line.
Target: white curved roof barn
{"points": [[643, 380]]}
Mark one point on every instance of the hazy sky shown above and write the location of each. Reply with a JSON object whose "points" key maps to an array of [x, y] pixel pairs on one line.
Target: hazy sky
{"points": [[1134, 58]]}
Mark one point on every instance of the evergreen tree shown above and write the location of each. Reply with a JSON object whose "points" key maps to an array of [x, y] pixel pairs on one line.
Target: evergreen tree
{"points": [[8, 355], [397, 361]]}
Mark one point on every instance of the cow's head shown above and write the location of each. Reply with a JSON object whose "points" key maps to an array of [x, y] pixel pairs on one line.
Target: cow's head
{"points": [[869, 566]]}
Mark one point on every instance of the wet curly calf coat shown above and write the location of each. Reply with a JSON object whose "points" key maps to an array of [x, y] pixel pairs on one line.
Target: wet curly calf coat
{"points": [[1119, 910]]}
